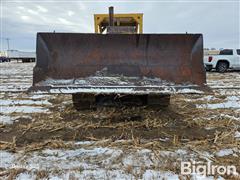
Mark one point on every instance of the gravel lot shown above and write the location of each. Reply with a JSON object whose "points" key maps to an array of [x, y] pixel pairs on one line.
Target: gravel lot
{"points": [[42, 136]]}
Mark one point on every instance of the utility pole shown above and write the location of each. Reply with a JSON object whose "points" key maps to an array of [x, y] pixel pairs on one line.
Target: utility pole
{"points": [[7, 39]]}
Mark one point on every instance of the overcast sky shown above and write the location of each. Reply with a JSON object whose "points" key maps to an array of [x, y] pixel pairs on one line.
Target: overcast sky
{"points": [[218, 21]]}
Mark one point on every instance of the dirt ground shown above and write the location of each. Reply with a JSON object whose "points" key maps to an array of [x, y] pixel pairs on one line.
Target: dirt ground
{"points": [[43, 136]]}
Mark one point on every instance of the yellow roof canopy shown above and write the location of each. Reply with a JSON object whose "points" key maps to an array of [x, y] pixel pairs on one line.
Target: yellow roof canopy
{"points": [[101, 21]]}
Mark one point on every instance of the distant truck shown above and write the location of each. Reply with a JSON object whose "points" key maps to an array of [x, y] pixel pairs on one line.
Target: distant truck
{"points": [[4, 59], [21, 55], [226, 59]]}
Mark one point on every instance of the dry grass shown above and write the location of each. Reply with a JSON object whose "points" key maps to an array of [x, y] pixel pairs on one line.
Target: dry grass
{"points": [[182, 123]]}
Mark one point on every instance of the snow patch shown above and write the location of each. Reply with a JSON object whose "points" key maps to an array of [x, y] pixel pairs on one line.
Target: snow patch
{"points": [[22, 109], [39, 96], [232, 102], [23, 102], [25, 176], [237, 134], [6, 119], [6, 159], [152, 174], [224, 152], [187, 91]]}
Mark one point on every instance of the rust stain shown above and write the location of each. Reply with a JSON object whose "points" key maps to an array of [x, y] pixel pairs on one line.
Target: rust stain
{"points": [[171, 57]]}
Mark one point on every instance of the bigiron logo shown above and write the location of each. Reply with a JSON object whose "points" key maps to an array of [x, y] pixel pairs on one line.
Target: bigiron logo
{"points": [[206, 169]]}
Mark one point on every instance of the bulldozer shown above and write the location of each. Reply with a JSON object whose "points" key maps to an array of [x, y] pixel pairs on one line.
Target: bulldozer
{"points": [[119, 65]]}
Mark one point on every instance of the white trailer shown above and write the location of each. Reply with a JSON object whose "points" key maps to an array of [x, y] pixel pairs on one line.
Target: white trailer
{"points": [[21, 55]]}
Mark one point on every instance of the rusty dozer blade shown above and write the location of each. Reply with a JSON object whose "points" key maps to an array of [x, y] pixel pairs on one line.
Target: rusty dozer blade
{"points": [[119, 63]]}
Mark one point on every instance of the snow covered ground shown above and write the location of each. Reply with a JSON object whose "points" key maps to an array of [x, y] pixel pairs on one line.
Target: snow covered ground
{"points": [[89, 161], [96, 163]]}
